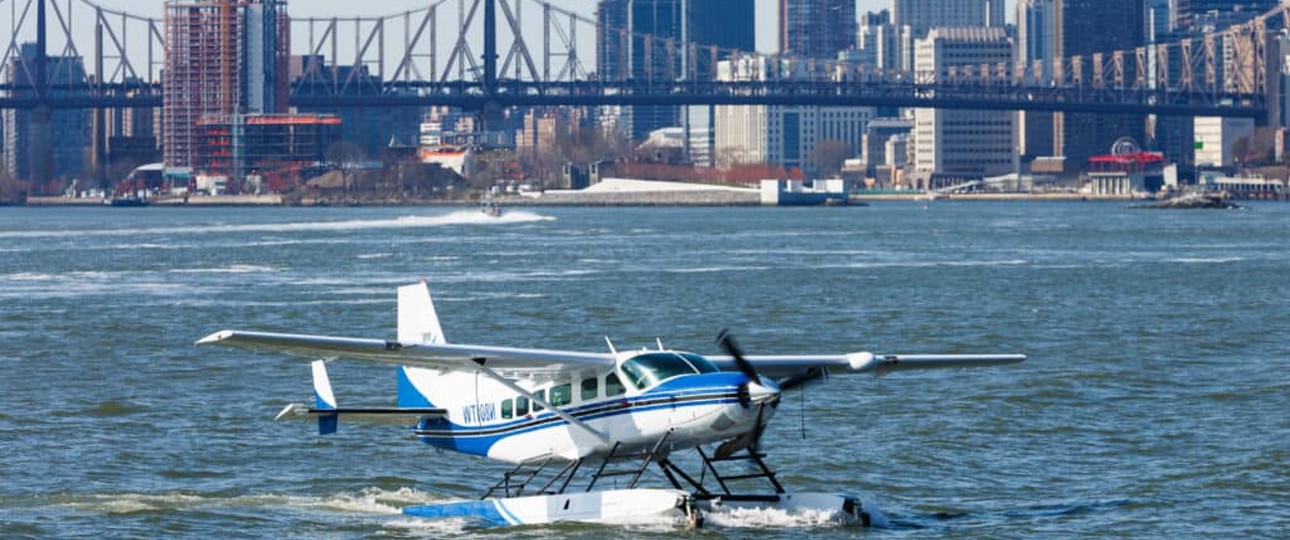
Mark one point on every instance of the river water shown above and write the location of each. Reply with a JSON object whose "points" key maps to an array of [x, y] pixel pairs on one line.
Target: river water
{"points": [[1155, 404]]}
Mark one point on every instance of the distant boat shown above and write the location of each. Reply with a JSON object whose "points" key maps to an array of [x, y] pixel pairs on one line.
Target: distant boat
{"points": [[1193, 200], [490, 208], [126, 201]]}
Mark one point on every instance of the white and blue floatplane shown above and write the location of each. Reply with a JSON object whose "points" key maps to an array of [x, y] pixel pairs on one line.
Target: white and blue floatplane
{"points": [[571, 420]]}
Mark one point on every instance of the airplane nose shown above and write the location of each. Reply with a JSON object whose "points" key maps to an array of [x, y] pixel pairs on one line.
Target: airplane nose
{"points": [[763, 391]]}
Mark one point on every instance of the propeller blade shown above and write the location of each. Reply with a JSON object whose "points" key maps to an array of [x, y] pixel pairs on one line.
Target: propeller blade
{"points": [[810, 375], [727, 343]]}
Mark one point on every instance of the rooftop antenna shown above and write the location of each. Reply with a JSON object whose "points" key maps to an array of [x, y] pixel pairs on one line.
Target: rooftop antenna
{"points": [[659, 340]]}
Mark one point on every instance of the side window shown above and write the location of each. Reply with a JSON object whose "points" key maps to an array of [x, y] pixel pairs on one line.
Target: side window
{"points": [[561, 395], [613, 386], [540, 394], [590, 388], [508, 408], [521, 406]]}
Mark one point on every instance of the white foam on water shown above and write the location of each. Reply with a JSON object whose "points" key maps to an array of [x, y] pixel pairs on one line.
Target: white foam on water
{"points": [[1205, 260], [370, 500], [367, 501], [930, 264], [709, 269], [232, 269], [30, 276], [430, 528], [130, 503], [459, 217], [770, 517]]}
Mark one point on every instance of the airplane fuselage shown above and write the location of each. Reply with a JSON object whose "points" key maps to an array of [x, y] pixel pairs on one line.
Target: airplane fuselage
{"points": [[661, 396]]}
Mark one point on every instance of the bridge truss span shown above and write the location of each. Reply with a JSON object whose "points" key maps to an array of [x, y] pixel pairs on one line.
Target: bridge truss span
{"points": [[474, 53]]}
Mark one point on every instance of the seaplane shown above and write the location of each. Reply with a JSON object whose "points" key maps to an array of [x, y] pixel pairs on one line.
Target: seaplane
{"points": [[582, 428]]}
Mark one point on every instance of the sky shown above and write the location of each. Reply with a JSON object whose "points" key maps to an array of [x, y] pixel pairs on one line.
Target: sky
{"points": [[303, 8]]}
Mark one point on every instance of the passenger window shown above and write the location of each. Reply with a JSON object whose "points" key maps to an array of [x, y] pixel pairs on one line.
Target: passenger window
{"points": [[508, 408], [540, 394], [561, 395], [521, 406], [590, 388], [613, 386]]}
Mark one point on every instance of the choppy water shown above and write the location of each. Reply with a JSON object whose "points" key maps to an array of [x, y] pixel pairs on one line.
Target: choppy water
{"points": [[1156, 402]]}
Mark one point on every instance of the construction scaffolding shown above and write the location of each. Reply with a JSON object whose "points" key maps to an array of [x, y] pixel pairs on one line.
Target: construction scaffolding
{"points": [[271, 147], [223, 57]]}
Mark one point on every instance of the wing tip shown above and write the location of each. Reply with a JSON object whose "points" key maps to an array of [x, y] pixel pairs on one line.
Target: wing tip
{"points": [[215, 338]]}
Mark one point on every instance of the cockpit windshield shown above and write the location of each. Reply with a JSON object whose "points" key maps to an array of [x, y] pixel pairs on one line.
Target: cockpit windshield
{"points": [[649, 369]]}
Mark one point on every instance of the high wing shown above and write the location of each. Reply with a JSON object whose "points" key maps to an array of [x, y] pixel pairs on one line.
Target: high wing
{"points": [[789, 366], [442, 356], [420, 343]]}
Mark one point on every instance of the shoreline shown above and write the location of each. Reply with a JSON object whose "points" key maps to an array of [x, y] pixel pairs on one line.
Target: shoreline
{"points": [[644, 199]]}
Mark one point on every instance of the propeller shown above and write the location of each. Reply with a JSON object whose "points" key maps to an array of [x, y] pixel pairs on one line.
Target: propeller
{"points": [[727, 343], [751, 439]]}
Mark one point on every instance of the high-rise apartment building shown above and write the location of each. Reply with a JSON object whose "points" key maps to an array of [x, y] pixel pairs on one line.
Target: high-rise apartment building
{"points": [[962, 143], [778, 134], [923, 15], [223, 57], [911, 19], [1083, 28], [816, 28]]}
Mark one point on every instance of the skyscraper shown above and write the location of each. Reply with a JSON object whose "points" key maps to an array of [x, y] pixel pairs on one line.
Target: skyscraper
{"points": [[1035, 45], [923, 15], [222, 57], [633, 44], [1083, 28], [913, 18], [816, 28], [784, 135], [962, 143]]}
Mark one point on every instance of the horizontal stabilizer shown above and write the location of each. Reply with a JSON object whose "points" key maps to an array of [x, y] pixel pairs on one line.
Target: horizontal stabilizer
{"points": [[404, 416]]}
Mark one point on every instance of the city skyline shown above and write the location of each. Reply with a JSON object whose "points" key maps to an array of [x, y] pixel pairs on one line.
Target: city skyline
{"points": [[642, 66]]}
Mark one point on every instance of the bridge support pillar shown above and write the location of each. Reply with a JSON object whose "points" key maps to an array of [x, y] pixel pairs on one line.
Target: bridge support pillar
{"points": [[98, 149], [41, 148]]}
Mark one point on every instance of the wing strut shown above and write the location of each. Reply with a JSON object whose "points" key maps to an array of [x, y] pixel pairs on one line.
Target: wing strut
{"points": [[478, 364]]}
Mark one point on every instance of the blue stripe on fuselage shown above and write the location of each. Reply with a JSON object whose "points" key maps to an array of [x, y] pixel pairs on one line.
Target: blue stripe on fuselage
{"points": [[678, 392]]}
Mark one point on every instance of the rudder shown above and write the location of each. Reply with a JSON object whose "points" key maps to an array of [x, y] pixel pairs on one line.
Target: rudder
{"points": [[418, 321]]}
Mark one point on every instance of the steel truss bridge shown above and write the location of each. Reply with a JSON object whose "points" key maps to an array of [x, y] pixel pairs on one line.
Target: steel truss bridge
{"points": [[479, 54]]}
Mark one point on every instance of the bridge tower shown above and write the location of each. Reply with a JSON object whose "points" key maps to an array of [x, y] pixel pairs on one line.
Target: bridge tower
{"points": [[492, 112], [41, 146]]}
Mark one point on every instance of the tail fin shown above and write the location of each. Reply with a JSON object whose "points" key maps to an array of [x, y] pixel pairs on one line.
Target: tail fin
{"points": [[324, 398], [418, 321]]}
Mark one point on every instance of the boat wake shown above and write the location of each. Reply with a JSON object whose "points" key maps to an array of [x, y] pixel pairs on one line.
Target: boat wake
{"points": [[742, 518], [459, 217], [474, 217], [376, 507], [367, 501]]}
